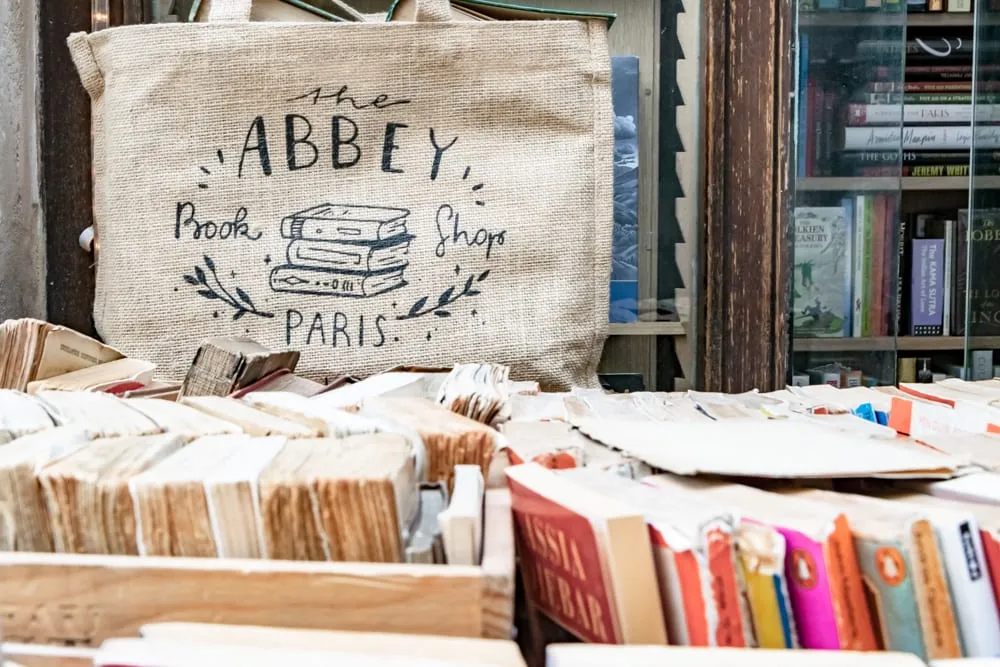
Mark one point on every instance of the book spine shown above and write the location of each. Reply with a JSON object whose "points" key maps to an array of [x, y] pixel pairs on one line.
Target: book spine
{"points": [[857, 317], [961, 273], [829, 121], [681, 586], [959, 5], [936, 74], [888, 574], [816, 127], [940, 629], [991, 551], [931, 86], [972, 592], [867, 305], [855, 628], [809, 590], [731, 630], [917, 114], [983, 310], [803, 103], [925, 287], [848, 204], [916, 5], [959, 170], [878, 266], [771, 612], [935, 5], [888, 252], [951, 137], [902, 279], [949, 268]]}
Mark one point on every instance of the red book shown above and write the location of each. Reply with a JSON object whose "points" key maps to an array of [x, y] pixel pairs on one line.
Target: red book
{"points": [[586, 559]]}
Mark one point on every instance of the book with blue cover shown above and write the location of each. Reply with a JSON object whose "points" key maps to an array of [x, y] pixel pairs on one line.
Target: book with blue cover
{"points": [[624, 306]]}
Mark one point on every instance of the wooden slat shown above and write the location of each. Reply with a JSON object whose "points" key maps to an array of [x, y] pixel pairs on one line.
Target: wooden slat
{"points": [[498, 566], [747, 127], [35, 655], [83, 600], [65, 166]]}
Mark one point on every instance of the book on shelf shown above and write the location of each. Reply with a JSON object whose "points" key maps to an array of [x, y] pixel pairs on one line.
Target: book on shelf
{"points": [[624, 305], [821, 293], [977, 296]]}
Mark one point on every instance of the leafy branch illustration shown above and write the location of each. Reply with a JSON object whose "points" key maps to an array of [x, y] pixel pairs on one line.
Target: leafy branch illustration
{"points": [[446, 298], [241, 302]]}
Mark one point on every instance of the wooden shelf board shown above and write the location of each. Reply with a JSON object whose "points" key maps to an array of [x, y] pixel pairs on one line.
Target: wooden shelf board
{"points": [[864, 19], [889, 184], [647, 329], [888, 344]]}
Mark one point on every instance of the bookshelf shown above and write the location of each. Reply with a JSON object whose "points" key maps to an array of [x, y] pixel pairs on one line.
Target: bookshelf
{"points": [[896, 187]]}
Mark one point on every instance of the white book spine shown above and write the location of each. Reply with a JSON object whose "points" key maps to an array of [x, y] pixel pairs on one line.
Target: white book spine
{"points": [[972, 594], [959, 5], [951, 137], [919, 114], [859, 266], [668, 578]]}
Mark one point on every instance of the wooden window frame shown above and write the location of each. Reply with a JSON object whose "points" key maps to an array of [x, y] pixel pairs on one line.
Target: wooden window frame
{"points": [[746, 244]]}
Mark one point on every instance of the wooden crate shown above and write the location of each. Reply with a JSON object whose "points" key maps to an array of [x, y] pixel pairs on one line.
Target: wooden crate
{"points": [[80, 600]]}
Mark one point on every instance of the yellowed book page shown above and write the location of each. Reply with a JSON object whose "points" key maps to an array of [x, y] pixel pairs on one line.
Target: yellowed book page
{"points": [[97, 377], [66, 350]]}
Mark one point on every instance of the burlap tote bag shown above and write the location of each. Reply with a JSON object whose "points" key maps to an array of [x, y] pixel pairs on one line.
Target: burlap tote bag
{"points": [[371, 194]]}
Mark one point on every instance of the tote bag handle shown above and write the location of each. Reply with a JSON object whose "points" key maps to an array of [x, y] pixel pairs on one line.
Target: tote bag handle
{"points": [[239, 10]]}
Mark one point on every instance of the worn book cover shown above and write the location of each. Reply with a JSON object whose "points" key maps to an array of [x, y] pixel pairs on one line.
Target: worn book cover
{"points": [[821, 293], [904, 578], [586, 559], [821, 566]]}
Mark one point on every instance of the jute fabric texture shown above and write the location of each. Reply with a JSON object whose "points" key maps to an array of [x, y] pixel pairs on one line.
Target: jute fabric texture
{"points": [[373, 194]]}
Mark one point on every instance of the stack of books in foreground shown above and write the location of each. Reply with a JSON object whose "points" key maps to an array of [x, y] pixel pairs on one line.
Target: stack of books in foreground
{"points": [[802, 518], [854, 519]]}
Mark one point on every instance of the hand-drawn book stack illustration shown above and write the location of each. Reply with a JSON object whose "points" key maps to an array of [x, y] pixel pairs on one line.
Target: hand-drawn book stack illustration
{"points": [[344, 250]]}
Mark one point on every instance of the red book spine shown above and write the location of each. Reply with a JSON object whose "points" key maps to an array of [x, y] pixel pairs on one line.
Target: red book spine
{"points": [[561, 565]]}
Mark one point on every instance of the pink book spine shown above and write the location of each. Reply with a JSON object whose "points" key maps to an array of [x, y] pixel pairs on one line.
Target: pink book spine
{"points": [[809, 591]]}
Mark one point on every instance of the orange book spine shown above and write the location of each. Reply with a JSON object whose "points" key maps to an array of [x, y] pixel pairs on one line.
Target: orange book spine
{"points": [[731, 629], [854, 622]]}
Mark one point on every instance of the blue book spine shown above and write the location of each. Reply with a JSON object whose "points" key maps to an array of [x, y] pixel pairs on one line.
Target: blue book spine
{"points": [[848, 204], [624, 288]]}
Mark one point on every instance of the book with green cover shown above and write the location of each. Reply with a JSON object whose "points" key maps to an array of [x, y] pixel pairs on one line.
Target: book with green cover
{"points": [[489, 10]]}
